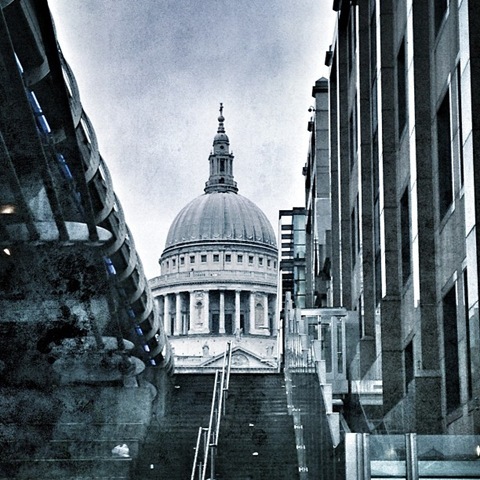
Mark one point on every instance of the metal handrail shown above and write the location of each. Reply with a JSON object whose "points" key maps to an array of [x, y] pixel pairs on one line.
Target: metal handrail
{"points": [[197, 447], [211, 434], [210, 424], [220, 400]]}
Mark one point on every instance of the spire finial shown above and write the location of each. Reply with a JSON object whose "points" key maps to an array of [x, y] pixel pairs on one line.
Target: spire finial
{"points": [[221, 119]]}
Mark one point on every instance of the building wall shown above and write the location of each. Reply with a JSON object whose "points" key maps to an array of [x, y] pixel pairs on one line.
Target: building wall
{"points": [[403, 204]]}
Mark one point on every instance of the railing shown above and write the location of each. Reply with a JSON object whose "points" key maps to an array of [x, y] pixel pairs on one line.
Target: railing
{"points": [[268, 276], [207, 438]]}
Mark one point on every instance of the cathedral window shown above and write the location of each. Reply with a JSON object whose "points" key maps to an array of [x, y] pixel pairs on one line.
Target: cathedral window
{"points": [[192, 258], [222, 164], [203, 259], [260, 261], [250, 260], [174, 262], [216, 257], [240, 258], [269, 263], [182, 260], [228, 258]]}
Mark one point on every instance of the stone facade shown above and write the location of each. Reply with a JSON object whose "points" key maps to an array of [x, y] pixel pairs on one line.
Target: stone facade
{"points": [[401, 131], [218, 279]]}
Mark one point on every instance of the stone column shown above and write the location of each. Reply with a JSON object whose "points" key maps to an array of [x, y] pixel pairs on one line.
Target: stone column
{"points": [[221, 328], [166, 315], [237, 311], [266, 326], [206, 312], [191, 313], [251, 326], [159, 306], [178, 314]]}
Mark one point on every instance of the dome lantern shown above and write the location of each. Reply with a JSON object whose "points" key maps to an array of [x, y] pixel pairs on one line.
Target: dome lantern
{"points": [[221, 162]]}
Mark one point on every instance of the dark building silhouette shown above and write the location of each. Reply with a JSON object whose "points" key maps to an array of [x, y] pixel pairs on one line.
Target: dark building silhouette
{"points": [[84, 358]]}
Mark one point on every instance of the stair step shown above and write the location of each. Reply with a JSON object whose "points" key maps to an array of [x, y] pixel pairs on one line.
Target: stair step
{"points": [[61, 469]]}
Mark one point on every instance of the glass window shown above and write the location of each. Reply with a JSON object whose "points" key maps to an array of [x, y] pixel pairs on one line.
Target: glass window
{"points": [[444, 153], [326, 343], [228, 258], [441, 7], [174, 262], [468, 336], [408, 361], [260, 261], [269, 263], [459, 121], [339, 346], [401, 89], [450, 345], [240, 258], [250, 259], [216, 257], [192, 258], [182, 260], [203, 258], [167, 265], [353, 239], [405, 236]]}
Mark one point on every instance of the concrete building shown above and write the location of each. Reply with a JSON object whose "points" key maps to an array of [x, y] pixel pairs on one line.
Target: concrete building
{"points": [[402, 183], [218, 279], [391, 264], [291, 233]]}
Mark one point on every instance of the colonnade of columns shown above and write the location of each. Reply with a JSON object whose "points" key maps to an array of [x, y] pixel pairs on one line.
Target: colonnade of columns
{"points": [[218, 311]]}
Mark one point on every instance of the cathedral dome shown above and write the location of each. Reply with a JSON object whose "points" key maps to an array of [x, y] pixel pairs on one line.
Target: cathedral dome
{"points": [[220, 217], [221, 214], [219, 274]]}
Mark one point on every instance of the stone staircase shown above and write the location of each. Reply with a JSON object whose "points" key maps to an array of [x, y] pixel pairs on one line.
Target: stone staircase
{"points": [[168, 450], [256, 440]]}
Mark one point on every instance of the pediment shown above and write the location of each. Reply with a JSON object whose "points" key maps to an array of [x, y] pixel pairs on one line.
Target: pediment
{"points": [[241, 359]]}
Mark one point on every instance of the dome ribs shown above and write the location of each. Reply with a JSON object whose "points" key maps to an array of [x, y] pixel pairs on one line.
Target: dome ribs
{"points": [[220, 216]]}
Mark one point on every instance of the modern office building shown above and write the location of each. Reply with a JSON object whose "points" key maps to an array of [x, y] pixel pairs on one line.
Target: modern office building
{"points": [[391, 258], [218, 279], [291, 233], [402, 181]]}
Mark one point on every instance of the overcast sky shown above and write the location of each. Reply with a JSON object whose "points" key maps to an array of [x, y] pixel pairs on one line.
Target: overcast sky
{"points": [[151, 75]]}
